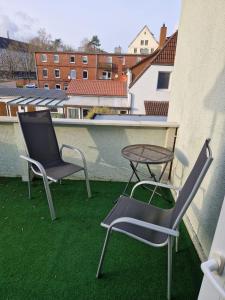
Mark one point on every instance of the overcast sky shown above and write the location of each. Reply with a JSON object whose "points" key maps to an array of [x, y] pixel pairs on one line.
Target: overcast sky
{"points": [[115, 22]]}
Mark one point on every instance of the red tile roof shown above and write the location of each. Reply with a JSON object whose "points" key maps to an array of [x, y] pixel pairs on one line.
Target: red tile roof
{"points": [[156, 108], [164, 56], [97, 88]]}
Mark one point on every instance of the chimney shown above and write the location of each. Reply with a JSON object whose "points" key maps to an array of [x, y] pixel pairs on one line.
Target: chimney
{"points": [[162, 37]]}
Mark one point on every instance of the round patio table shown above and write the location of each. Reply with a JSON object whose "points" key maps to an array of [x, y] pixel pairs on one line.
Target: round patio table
{"points": [[148, 155]]}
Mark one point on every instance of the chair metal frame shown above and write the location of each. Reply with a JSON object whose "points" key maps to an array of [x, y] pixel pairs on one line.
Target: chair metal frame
{"points": [[171, 232], [47, 180]]}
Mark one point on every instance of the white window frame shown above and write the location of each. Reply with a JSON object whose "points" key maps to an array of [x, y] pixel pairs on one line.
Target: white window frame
{"points": [[73, 108], [46, 86], [83, 74], [106, 76], [58, 85], [75, 74], [44, 55], [163, 89], [56, 61], [85, 59], [142, 42], [59, 73], [45, 69], [65, 86], [146, 42], [72, 62]]}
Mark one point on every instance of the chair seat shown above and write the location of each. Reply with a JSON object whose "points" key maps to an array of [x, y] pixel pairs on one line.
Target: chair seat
{"points": [[130, 207], [61, 170]]}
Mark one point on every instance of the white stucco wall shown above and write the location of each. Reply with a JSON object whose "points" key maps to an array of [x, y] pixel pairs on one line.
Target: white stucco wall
{"points": [[146, 89], [101, 142], [87, 101], [198, 104], [143, 35]]}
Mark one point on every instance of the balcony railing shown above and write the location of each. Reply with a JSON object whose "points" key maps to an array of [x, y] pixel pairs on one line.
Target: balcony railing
{"points": [[107, 66]]}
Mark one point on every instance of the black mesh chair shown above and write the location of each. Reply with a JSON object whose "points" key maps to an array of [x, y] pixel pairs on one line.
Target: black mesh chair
{"points": [[152, 225], [44, 157]]}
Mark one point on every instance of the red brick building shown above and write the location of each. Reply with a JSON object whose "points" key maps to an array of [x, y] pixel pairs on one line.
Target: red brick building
{"points": [[56, 69]]}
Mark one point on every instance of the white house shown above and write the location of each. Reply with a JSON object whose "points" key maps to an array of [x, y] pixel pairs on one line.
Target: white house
{"points": [[151, 80], [85, 95], [143, 43]]}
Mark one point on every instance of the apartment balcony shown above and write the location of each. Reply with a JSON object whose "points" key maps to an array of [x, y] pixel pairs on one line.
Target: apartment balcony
{"points": [[41, 258], [107, 66]]}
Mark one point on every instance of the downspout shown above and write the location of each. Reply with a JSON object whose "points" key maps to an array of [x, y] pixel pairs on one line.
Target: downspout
{"points": [[129, 94]]}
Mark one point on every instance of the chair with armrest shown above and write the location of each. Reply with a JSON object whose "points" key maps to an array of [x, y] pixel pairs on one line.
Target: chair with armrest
{"points": [[44, 158], [152, 225]]}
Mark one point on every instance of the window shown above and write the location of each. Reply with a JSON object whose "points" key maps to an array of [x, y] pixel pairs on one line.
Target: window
{"points": [[72, 59], [84, 59], [123, 112], [73, 113], [163, 80], [109, 59], [142, 42], [124, 60], [85, 74], [72, 74], [152, 50], [44, 57], [106, 75], [58, 86], [146, 42], [85, 111], [46, 86], [138, 59], [45, 73], [135, 50], [56, 58], [65, 86], [57, 73], [144, 50]]}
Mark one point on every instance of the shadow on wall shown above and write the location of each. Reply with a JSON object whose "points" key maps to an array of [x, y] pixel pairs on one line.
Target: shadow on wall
{"points": [[212, 197], [9, 160], [216, 189]]}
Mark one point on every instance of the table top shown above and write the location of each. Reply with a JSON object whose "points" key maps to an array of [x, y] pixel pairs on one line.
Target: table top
{"points": [[147, 154]]}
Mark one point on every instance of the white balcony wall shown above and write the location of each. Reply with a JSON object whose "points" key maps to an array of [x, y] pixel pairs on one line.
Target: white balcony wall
{"points": [[146, 89], [92, 101], [101, 142], [197, 103]]}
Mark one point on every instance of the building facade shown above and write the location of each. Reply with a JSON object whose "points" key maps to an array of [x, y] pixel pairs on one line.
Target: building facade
{"points": [[143, 43], [151, 80], [55, 70]]}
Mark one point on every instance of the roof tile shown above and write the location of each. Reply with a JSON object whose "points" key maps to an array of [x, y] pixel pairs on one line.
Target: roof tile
{"points": [[97, 88]]}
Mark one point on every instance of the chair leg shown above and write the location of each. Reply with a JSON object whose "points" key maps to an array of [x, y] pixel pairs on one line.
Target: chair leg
{"points": [[49, 198], [169, 275], [103, 253], [87, 182], [29, 181]]}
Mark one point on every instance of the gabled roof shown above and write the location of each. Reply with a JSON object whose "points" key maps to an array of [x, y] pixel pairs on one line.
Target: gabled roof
{"points": [[145, 27], [163, 56], [97, 88]]}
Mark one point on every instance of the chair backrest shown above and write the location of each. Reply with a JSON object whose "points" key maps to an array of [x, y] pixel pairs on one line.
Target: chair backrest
{"points": [[39, 136], [192, 184]]}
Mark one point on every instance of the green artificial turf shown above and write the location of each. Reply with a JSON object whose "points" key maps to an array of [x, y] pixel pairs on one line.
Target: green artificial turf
{"points": [[41, 259]]}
